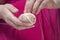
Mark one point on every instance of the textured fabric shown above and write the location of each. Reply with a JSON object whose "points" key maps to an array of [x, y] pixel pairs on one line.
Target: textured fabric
{"points": [[46, 27]]}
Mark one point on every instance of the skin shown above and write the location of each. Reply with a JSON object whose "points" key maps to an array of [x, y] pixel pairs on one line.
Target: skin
{"points": [[6, 13], [35, 6], [32, 6]]}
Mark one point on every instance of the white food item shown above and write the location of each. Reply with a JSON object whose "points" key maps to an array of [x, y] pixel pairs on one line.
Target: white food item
{"points": [[28, 18]]}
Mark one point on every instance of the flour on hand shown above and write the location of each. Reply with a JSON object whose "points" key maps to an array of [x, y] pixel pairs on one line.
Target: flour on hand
{"points": [[28, 18]]}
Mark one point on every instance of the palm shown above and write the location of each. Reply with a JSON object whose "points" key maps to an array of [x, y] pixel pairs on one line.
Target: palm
{"points": [[52, 4]]}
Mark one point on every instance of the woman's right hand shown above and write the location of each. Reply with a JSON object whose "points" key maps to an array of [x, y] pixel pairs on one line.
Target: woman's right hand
{"points": [[6, 13]]}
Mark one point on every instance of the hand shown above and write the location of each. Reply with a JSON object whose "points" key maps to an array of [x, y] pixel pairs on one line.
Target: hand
{"points": [[6, 13], [57, 2], [32, 6], [35, 6]]}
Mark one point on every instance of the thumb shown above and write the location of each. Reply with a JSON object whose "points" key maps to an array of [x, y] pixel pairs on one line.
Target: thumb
{"points": [[11, 8]]}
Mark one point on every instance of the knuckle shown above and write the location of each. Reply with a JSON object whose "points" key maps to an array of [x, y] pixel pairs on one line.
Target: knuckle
{"points": [[28, 0], [39, 0], [34, 8]]}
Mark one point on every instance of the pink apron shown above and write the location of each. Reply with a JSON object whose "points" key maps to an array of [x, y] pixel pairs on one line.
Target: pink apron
{"points": [[47, 26]]}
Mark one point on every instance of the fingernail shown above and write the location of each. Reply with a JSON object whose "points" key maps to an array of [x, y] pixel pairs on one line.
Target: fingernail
{"points": [[15, 10]]}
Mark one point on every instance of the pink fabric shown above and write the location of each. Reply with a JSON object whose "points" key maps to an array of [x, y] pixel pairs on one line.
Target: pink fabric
{"points": [[46, 27]]}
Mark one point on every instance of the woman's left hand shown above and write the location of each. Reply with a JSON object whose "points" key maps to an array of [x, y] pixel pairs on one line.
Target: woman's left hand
{"points": [[35, 6], [32, 6]]}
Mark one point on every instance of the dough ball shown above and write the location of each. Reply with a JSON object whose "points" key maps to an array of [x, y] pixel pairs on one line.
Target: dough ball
{"points": [[28, 18]]}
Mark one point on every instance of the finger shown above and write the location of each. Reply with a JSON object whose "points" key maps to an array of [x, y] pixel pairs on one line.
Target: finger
{"points": [[11, 8], [17, 27], [57, 1], [29, 6], [14, 19], [42, 6], [10, 23], [24, 27], [11, 17], [36, 5]]}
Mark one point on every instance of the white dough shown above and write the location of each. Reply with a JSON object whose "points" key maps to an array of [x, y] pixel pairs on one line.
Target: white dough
{"points": [[28, 18]]}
